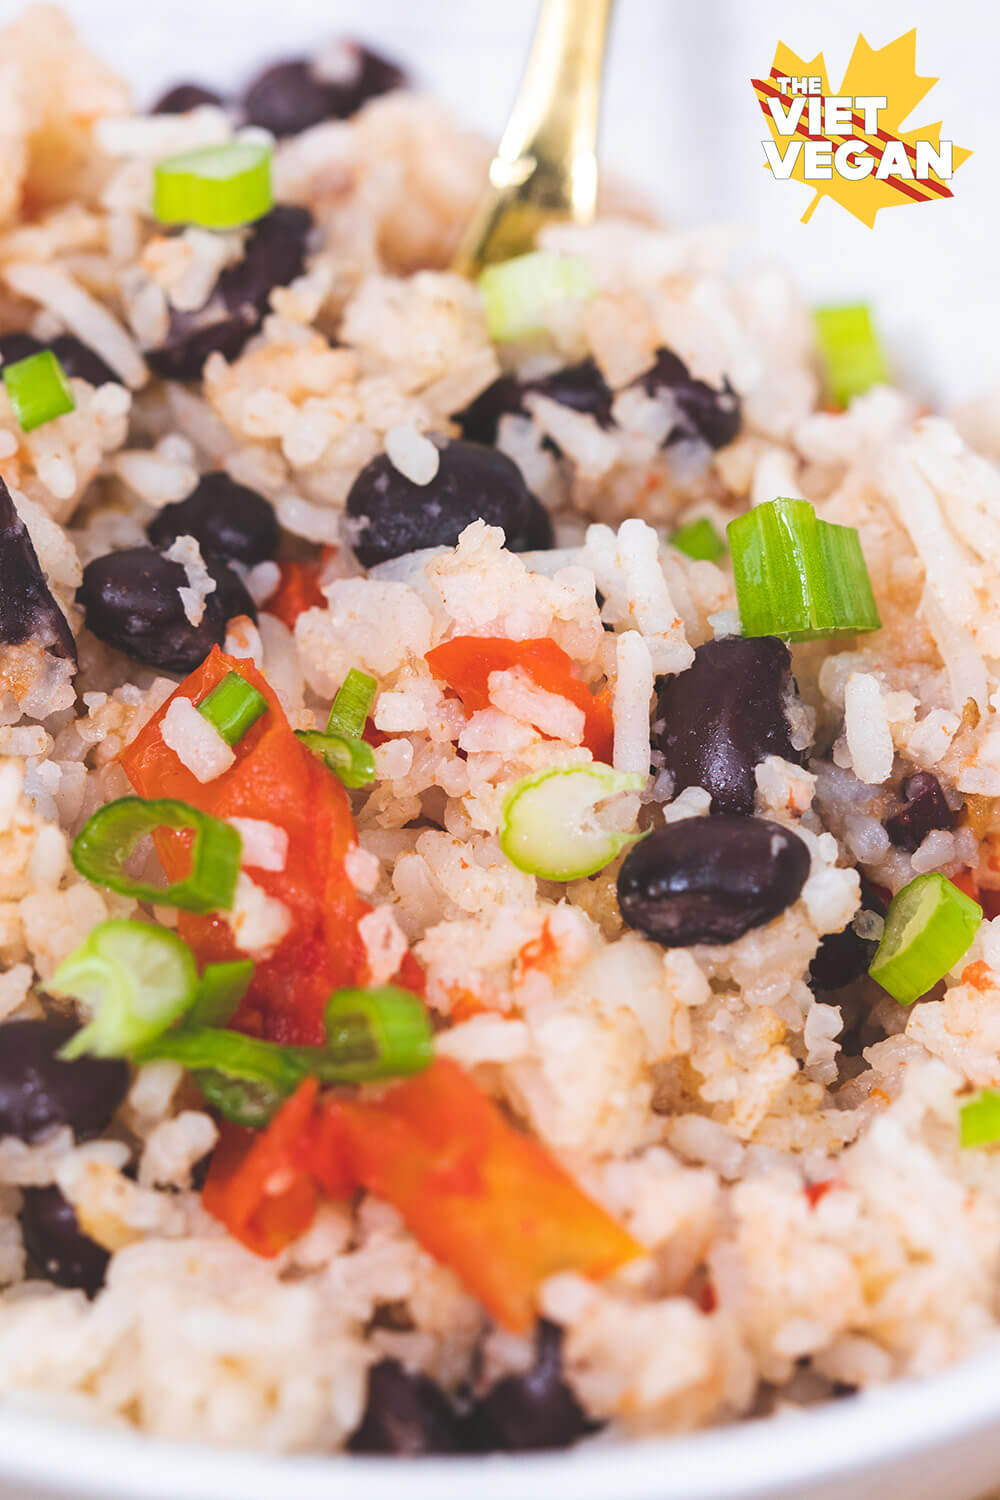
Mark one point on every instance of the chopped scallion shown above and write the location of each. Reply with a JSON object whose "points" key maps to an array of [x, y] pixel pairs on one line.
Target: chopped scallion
{"points": [[547, 823], [797, 576], [352, 705], [215, 187], [136, 979], [110, 836], [979, 1120], [518, 293], [38, 389], [232, 707], [221, 987], [386, 1030], [852, 356], [351, 760], [929, 925], [699, 540]]}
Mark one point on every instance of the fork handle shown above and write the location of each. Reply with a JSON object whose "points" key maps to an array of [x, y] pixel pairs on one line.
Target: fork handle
{"points": [[546, 165]]}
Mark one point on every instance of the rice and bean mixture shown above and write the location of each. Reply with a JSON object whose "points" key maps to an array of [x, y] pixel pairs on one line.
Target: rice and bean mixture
{"points": [[501, 1067]]}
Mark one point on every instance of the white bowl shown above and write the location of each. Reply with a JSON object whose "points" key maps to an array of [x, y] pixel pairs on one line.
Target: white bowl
{"points": [[934, 1439]]}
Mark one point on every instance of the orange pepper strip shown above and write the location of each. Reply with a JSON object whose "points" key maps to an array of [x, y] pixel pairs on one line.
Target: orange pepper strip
{"points": [[465, 664], [478, 1195], [298, 590], [275, 778], [256, 1183]]}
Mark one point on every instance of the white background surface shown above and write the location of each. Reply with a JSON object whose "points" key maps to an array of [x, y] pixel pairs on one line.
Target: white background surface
{"points": [[680, 118]]}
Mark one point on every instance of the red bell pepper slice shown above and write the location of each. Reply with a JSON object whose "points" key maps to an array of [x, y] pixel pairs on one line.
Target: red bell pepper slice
{"points": [[478, 1195], [257, 1182], [298, 590], [465, 664], [274, 778]]}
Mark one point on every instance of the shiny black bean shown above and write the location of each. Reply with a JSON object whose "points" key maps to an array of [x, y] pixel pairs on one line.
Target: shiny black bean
{"points": [[39, 1091], [56, 1243], [80, 361], [530, 1411], [183, 97], [290, 96], [28, 611], [391, 515], [16, 346], [581, 386], [716, 721], [705, 412], [709, 880], [224, 517], [273, 255], [406, 1415], [131, 601], [923, 810], [842, 957]]}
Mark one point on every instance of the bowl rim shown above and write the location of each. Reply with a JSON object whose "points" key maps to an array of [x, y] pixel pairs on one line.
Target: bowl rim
{"points": [[875, 1428]]}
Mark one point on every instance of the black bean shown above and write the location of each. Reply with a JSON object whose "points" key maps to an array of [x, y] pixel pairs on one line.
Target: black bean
{"points": [[274, 254], [705, 412], [28, 612], [224, 517], [131, 601], [183, 97], [17, 346], [405, 1414], [394, 516], [80, 361], [714, 722], [39, 1091], [290, 96], [76, 358], [709, 880], [842, 957], [580, 386], [57, 1245], [924, 809], [530, 1411]]}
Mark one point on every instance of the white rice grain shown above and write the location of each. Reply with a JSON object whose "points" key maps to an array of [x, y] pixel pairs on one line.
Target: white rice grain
{"points": [[868, 738], [632, 695], [197, 744], [83, 315], [414, 455]]}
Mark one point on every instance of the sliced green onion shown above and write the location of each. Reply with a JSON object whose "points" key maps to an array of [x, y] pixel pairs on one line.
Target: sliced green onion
{"points": [[699, 540], [352, 705], [385, 1030], [547, 823], [352, 760], [216, 187], [372, 1034], [38, 389], [232, 707], [135, 978], [518, 293], [220, 990], [107, 840], [852, 356], [797, 576], [929, 925], [238, 1099], [979, 1120]]}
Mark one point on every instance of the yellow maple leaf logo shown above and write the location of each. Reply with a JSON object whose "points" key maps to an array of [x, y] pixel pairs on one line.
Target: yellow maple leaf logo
{"points": [[888, 71]]}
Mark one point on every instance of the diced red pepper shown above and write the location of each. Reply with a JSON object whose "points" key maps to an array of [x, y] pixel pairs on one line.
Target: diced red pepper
{"points": [[275, 778], [478, 1195], [297, 591], [965, 880], [465, 664], [257, 1183]]}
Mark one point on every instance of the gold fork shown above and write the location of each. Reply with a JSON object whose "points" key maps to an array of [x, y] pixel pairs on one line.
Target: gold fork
{"points": [[545, 167]]}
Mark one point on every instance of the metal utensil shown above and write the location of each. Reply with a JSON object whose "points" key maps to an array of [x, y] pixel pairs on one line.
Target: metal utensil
{"points": [[545, 167]]}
